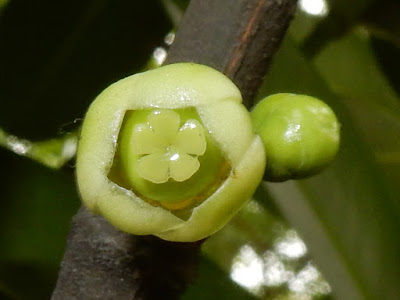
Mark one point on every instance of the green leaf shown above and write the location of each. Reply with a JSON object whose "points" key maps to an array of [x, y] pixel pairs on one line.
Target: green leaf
{"points": [[3, 4], [382, 21], [175, 9], [352, 68], [261, 253], [36, 209], [60, 65], [340, 19], [214, 284], [35, 278]]}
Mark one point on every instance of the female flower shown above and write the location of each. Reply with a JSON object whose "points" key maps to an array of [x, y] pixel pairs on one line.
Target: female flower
{"points": [[169, 152]]}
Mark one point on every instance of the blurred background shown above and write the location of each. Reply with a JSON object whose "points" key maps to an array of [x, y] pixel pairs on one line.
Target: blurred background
{"points": [[334, 236]]}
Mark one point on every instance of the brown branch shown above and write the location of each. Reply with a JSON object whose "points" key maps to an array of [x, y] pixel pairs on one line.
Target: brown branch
{"points": [[102, 262], [238, 38]]}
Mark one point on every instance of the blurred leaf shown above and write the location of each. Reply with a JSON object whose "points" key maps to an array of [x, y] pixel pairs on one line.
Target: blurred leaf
{"points": [[36, 207], [53, 153], [353, 11], [175, 9], [303, 24], [382, 20], [3, 4], [61, 55], [342, 18], [388, 56], [5, 293], [345, 214], [266, 257], [352, 69], [214, 284], [328, 29], [253, 225], [27, 280]]}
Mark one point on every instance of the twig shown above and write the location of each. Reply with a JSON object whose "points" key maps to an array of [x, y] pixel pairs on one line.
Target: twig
{"points": [[238, 38], [102, 262]]}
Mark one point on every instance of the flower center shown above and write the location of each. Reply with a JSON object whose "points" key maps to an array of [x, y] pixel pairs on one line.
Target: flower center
{"points": [[167, 149], [168, 156]]}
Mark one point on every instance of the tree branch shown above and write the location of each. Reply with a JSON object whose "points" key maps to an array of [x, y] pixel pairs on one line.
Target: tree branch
{"points": [[238, 38], [102, 262]]}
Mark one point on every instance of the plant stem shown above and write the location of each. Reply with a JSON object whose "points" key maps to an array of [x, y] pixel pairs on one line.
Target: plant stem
{"points": [[237, 38], [102, 262]]}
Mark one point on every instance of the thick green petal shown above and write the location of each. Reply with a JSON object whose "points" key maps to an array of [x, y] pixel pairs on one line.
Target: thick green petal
{"points": [[165, 124], [146, 141], [154, 167], [183, 166], [190, 138]]}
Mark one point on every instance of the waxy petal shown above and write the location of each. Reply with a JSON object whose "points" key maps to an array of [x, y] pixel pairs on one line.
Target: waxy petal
{"points": [[154, 167], [191, 139], [165, 124], [183, 166], [146, 141]]}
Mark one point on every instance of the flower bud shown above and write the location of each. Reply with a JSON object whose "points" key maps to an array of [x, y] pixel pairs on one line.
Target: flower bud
{"points": [[300, 135]]}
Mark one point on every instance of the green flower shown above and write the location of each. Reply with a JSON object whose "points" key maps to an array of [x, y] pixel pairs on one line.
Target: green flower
{"points": [[168, 151]]}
